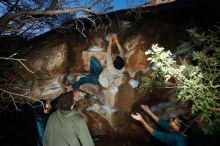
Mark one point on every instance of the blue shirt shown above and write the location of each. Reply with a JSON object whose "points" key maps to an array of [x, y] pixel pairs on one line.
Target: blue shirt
{"points": [[169, 137]]}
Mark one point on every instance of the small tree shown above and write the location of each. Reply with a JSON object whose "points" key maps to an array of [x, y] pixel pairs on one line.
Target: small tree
{"points": [[198, 83]]}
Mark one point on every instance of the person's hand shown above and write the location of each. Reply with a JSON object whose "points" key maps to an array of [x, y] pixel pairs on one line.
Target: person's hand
{"points": [[110, 38], [73, 106], [114, 36], [137, 117], [145, 107], [48, 107], [76, 95], [69, 88]]}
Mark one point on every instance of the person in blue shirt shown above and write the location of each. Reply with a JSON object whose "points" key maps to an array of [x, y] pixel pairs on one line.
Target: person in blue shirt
{"points": [[41, 110], [171, 135]]}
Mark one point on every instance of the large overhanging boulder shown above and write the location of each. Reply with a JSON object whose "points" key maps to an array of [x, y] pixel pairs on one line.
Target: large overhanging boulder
{"points": [[59, 58]]}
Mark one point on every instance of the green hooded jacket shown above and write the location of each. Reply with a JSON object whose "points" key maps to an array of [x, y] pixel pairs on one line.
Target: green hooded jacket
{"points": [[67, 128]]}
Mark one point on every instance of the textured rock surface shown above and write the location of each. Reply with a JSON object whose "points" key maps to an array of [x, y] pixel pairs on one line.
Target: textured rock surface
{"points": [[61, 58]]}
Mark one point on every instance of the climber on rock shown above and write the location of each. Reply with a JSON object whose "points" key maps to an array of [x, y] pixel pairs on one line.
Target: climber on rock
{"points": [[104, 76], [172, 135]]}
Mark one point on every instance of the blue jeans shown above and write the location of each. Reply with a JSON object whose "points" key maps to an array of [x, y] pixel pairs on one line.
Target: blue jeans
{"points": [[41, 121], [95, 70]]}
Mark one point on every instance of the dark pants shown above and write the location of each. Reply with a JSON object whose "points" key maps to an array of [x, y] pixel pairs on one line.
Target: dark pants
{"points": [[41, 121], [95, 70]]}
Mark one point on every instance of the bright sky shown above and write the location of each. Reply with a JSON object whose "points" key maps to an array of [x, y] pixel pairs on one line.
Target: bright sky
{"points": [[117, 4], [123, 4]]}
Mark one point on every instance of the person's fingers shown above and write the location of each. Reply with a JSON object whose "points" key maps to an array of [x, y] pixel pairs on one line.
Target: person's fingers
{"points": [[47, 105], [136, 117], [133, 115], [138, 114], [46, 111], [69, 88], [115, 37], [144, 107], [110, 39]]}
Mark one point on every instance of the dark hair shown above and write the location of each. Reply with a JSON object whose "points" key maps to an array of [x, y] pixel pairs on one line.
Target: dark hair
{"points": [[38, 107], [119, 62], [65, 101], [177, 121]]}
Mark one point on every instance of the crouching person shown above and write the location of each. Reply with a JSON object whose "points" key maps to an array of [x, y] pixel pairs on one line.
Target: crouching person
{"points": [[66, 126]]}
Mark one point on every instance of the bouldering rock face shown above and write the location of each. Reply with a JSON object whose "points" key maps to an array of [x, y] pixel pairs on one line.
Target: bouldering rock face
{"points": [[135, 52], [48, 66], [58, 59], [99, 55]]}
